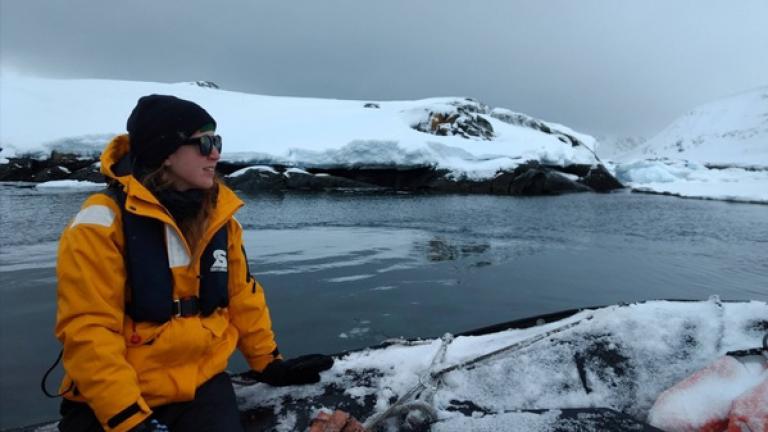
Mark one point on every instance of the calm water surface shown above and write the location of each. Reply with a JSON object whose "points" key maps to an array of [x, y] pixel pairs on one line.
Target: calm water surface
{"points": [[346, 271]]}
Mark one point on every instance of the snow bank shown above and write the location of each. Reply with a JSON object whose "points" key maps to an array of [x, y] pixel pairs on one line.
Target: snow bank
{"points": [[69, 185], [691, 179], [41, 115]]}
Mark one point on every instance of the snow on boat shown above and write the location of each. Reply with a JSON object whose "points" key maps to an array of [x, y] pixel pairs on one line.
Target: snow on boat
{"points": [[591, 369], [595, 369]]}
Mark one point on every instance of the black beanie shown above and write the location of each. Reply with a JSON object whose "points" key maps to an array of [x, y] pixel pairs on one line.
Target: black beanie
{"points": [[160, 124]]}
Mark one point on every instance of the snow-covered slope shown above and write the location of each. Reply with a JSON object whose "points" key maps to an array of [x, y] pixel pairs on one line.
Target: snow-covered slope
{"points": [[614, 147], [40, 115], [728, 132], [716, 151]]}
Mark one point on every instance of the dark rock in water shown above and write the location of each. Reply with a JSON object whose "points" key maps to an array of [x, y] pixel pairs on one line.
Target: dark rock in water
{"points": [[394, 178], [258, 180], [262, 180], [21, 169], [460, 185], [322, 182], [90, 173], [371, 105], [53, 173], [600, 180], [580, 170], [531, 179], [58, 166]]}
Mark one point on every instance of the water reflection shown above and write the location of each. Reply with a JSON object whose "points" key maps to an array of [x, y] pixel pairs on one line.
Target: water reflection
{"points": [[443, 249]]}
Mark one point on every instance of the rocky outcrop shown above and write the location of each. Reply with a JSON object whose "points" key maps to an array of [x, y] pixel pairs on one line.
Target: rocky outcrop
{"points": [[532, 178], [207, 84], [528, 179], [519, 119], [459, 119], [268, 179], [57, 167], [600, 180]]}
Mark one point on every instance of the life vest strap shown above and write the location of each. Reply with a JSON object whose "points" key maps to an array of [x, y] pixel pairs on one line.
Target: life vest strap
{"points": [[186, 307]]}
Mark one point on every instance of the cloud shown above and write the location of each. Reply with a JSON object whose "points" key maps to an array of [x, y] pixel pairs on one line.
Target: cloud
{"points": [[598, 66]]}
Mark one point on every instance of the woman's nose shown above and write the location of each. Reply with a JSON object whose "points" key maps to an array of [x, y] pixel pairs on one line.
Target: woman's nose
{"points": [[215, 155]]}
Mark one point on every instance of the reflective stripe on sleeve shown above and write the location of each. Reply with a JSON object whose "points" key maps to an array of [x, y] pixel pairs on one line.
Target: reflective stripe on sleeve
{"points": [[95, 215]]}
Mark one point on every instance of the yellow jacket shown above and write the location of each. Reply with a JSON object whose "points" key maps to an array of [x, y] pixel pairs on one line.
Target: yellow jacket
{"points": [[106, 365]]}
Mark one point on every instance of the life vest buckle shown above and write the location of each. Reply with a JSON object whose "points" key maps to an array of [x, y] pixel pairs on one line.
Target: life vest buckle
{"points": [[186, 307]]}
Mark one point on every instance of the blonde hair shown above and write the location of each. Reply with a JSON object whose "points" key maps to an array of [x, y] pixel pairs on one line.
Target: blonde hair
{"points": [[193, 228]]}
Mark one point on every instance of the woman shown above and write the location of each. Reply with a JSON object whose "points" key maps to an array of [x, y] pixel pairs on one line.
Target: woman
{"points": [[154, 290]]}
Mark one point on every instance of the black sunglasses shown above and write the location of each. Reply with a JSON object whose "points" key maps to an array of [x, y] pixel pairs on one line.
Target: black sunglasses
{"points": [[206, 143]]}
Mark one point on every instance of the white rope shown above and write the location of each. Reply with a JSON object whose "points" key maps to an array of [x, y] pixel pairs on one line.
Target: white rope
{"points": [[428, 383]]}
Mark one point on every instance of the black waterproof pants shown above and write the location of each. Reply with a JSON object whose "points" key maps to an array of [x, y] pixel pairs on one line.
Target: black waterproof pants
{"points": [[214, 409]]}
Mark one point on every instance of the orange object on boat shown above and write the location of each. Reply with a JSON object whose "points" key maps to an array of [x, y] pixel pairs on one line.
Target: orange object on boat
{"points": [[750, 410], [705, 401]]}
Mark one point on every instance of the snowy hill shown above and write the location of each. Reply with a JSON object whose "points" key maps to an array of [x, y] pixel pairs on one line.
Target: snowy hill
{"points": [[614, 147], [716, 151], [461, 135], [728, 132]]}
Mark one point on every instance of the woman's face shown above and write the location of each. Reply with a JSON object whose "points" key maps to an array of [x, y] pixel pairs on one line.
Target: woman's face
{"points": [[187, 169]]}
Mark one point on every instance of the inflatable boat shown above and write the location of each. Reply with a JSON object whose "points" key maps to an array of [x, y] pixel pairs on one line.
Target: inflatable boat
{"points": [[599, 369]]}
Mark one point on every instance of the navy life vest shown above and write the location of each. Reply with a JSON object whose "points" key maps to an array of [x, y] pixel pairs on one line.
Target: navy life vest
{"points": [[149, 273]]}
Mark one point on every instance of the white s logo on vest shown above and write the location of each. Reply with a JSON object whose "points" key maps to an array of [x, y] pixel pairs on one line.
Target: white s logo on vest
{"points": [[220, 261]]}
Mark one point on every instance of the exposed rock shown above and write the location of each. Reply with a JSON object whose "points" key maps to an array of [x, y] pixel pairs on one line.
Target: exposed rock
{"points": [[310, 182], [600, 180], [371, 105], [580, 170], [208, 84], [460, 185], [56, 167], [465, 120], [520, 119], [532, 179], [264, 179], [258, 180], [21, 169], [57, 172], [411, 178], [90, 173]]}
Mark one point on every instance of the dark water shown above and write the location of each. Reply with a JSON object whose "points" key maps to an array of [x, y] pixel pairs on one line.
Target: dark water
{"points": [[346, 271]]}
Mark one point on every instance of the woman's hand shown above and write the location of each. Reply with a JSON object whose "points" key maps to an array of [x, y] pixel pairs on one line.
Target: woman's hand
{"points": [[300, 370]]}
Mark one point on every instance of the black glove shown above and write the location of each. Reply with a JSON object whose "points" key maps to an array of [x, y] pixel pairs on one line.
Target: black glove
{"points": [[150, 426], [300, 370]]}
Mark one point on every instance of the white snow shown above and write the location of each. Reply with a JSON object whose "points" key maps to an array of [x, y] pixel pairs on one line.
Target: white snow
{"points": [[80, 116], [70, 185], [664, 342], [730, 131], [40, 115], [691, 179], [687, 158], [242, 171]]}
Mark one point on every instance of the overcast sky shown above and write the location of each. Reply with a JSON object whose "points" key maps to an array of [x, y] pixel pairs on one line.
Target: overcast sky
{"points": [[611, 66]]}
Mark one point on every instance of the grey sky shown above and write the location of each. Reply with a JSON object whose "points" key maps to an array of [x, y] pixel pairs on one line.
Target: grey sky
{"points": [[611, 66]]}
